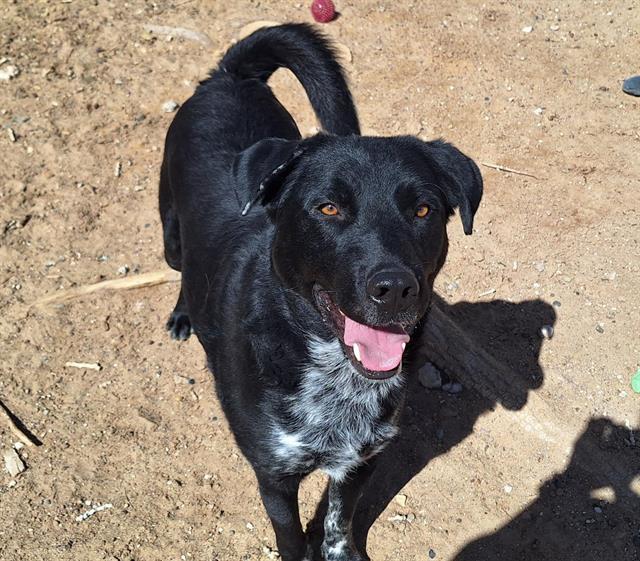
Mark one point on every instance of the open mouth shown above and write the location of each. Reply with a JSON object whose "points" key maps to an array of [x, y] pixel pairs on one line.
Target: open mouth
{"points": [[374, 351]]}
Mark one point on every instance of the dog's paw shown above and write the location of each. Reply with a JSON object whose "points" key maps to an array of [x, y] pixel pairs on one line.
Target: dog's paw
{"points": [[179, 326]]}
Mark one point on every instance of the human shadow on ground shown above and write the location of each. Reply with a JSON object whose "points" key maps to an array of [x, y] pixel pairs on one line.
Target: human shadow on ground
{"points": [[589, 512], [433, 422]]}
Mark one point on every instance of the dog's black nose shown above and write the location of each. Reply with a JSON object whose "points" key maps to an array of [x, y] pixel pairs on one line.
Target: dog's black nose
{"points": [[394, 291]]}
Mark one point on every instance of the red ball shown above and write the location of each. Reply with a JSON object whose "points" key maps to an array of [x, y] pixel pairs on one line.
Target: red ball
{"points": [[323, 11]]}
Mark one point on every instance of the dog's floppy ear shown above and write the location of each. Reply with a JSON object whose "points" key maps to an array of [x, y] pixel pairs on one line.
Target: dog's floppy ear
{"points": [[464, 182], [260, 170]]}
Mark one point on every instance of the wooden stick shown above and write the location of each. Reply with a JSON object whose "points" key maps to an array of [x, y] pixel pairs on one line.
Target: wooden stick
{"points": [[509, 170], [15, 429], [137, 281]]}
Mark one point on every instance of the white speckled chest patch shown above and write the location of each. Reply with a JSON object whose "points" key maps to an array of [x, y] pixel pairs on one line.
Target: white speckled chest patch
{"points": [[335, 418]]}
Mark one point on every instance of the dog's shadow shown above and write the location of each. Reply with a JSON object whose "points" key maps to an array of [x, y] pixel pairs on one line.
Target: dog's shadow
{"points": [[433, 421], [587, 513]]}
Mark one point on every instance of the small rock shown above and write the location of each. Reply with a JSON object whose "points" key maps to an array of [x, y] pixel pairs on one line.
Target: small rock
{"points": [[631, 86], [597, 510], [554, 27], [610, 276], [123, 270], [169, 106], [454, 388], [411, 517], [117, 169], [508, 489], [13, 463], [539, 266], [547, 331], [249, 526], [539, 111], [527, 29], [600, 327], [430, 377], [401, 500], [12, 135], [556, 303], [432, 554], [270, 553], [8, 73]]}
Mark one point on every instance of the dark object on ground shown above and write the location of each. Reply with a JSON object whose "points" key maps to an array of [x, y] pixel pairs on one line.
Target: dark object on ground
{"points": [[631, 86]]}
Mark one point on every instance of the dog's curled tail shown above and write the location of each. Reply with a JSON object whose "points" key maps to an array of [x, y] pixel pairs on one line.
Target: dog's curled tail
{"points": [[311, 57]]}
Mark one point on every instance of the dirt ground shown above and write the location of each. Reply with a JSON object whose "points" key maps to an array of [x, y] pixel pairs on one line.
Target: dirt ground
{"points": [[551, 472]]}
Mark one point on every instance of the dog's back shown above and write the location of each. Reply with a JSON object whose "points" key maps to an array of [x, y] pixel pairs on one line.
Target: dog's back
{"points": [[234, 108]]}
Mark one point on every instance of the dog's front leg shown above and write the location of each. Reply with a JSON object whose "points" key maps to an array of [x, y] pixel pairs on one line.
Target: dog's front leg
{"points": [[338, 544], [280, 498]]}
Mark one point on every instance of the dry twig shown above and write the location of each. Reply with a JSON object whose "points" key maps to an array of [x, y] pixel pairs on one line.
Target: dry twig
{"points": [[508, 170], [15, 429], [137, 281]]}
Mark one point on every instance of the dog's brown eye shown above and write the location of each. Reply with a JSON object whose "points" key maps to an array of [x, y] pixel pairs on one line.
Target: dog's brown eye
{"points": [[329, 210], [422, 211]]}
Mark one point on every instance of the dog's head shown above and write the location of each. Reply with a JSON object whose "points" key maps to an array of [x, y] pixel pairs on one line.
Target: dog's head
{"points": [[360, 230]]}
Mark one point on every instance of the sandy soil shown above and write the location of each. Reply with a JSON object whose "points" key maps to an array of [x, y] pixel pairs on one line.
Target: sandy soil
{"points": [[552, 473]]}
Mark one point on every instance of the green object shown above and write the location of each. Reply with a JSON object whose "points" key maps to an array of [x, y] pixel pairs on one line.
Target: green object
{"points": [[635, 382]]}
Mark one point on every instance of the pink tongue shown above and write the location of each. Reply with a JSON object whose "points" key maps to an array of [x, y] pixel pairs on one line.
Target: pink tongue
{"points": [[379, 350]]}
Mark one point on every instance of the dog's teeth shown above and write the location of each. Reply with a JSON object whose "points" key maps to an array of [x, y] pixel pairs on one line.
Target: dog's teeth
{"points": [[356, 351], [404, 346], [341, 312]]}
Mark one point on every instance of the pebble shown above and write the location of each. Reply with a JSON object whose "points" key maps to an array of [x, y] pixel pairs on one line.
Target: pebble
{"points": [[631, 86], [432, 554], [556, 303], [8, 72], [539, 265], [169, 106], [600, 327], [547, 331], [270, 553], [123, 270], [430, 377], [453, 388], [527, 29], [597, 510], [401, 500], [610, 276], [13, 463], [11, 134], [508, 489], [538, 111]]}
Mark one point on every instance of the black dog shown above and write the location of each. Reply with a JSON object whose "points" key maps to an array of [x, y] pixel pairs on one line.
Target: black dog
{"points": [[307, 265]]}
